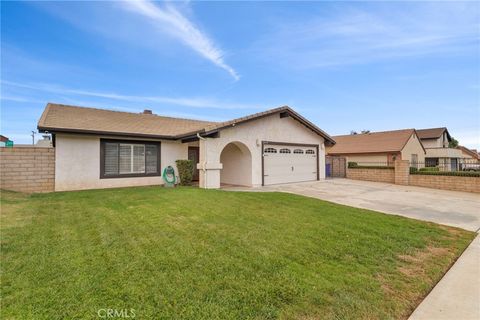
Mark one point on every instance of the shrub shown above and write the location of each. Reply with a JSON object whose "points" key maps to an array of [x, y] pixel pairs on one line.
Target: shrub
{"points": [[429, 169], [352, 164], [371, 167], [185, 171], [413, 170], [448, 173]]}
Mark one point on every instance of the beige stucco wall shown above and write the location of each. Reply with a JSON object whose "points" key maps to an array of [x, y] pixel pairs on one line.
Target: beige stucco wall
{"points": [[251, 134], [77, 164], [466, 155], [444, 153], [368, 159], [236, 165], [432, 143], [413, 146]]}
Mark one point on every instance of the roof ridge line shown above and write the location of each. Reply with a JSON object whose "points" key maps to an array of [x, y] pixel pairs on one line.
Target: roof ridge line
{"points": [[375, 132], [128, 112]]}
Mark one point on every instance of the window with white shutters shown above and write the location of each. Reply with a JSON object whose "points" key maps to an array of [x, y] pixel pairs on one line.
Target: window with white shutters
{"points": [[129, 159], [151, 161], [111, 158]]}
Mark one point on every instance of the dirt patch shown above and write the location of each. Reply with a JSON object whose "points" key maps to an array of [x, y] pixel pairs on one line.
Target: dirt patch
{"points": [[416, 263]]}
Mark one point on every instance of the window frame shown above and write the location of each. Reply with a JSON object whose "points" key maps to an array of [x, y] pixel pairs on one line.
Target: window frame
{"points": [[269, 150], [130, 175]]}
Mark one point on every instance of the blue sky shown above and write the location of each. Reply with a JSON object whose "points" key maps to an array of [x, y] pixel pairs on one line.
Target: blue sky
{"points": [[344, 65]]}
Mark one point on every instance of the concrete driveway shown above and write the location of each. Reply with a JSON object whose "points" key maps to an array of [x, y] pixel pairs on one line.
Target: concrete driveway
{"points": [[458, 209]]}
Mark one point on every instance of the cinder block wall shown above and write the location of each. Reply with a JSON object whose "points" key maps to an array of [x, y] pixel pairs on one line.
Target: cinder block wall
{"points": [[402, 172], [375, 175], [401, 175], [27, 169], [469, 184]]}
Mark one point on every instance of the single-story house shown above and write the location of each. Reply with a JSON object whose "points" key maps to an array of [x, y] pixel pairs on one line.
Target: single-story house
{"points": [[379, 148], [436, 142], [96, 148], [469, 153]]}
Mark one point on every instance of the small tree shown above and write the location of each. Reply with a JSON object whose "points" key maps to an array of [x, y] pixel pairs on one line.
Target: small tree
{"points": [[185, 171], [453, 143]]}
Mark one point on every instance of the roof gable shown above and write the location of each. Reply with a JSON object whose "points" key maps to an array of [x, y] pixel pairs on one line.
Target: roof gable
{"points": [[374, 142], [433, 133], [470, 152]]}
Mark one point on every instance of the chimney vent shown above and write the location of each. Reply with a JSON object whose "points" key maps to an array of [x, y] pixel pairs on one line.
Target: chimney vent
{"points": [[146, 111]]}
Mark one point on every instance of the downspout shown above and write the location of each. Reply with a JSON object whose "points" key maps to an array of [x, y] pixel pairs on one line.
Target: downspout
{"points": [[205, 162]]}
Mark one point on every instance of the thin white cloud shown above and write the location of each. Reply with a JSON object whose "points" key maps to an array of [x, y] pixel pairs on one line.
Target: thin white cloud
{"points": [[384, 32], [170, 20], [19, 99], [180, 101]]}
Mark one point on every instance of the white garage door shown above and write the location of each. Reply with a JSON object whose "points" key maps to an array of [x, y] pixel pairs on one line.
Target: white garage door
{"points": [[289, 163]]}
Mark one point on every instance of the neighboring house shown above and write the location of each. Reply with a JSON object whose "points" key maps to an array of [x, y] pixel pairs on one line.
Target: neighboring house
{"points": [[97, 148], [470, 159], [436, 142], [3, 140], [469, 153], [380, 148], [46, 142]]}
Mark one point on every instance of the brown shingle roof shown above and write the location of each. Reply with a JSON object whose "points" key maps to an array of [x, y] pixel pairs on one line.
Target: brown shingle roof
{"points": [[58, 117], [432, 133], [375, 142], [64, 118]]}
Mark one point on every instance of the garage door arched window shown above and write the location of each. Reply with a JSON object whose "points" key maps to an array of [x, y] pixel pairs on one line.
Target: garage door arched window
{"points": [[285, 150], [298, 151], [270, 150], [310, 151]]}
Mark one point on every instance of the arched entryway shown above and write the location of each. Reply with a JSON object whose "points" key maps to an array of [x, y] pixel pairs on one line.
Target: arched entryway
{"points": [[237, 165]]}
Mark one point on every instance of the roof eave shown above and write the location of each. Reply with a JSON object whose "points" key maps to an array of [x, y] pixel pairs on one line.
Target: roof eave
{"points": [[363, 152], [106, 133]]}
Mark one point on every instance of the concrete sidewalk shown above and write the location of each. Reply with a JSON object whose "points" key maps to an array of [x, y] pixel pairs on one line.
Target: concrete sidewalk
{"points": [[457, 295]]}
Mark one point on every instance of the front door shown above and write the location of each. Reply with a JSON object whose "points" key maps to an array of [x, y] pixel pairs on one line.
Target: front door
{"points": [[194, 155]]}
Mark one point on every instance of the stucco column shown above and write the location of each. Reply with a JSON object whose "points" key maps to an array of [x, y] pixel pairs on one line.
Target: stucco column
{"points": [[402, 172], [209, 166], [321, 159]]}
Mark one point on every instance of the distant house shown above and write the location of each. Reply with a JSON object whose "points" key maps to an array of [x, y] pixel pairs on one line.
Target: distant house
{"points": [[3, 140], [436, 142], [469, 153], [46, 142], [380, 148]]}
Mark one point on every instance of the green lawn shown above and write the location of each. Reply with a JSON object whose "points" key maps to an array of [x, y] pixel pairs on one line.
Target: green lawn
{"points": [[188, 253]]}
